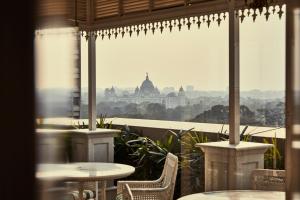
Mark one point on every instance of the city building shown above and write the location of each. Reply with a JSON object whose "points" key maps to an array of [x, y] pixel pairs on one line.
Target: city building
{"points": [[147, 92]]}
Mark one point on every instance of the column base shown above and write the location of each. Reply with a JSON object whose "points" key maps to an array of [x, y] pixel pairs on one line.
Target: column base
{"points": [[229, 167]]}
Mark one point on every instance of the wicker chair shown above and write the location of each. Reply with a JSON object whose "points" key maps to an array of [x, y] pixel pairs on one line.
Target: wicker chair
{"points": [[160, 189], [270, 180]]}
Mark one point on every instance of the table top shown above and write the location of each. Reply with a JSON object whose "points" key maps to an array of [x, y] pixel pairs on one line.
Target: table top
{"points": [[236, 195], [84, 171]]}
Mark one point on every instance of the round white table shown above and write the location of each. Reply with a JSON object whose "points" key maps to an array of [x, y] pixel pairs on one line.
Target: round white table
{"points": [[84, 172], [236, 195]]}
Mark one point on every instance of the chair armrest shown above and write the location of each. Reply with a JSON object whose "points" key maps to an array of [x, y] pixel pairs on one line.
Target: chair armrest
{"points": [[149, 193], [137, 184], [148, 189], [140, 182]]}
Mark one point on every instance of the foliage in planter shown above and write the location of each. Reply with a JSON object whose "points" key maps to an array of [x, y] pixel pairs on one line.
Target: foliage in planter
{"points": [[148, 156], [273, 158], [101, 123], [192, 162], [123, 151], [223, 136]]}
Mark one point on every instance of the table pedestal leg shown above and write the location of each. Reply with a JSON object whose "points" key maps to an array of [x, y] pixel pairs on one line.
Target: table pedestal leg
{"points": [[103, 190], [96, 190], [80, 190]]}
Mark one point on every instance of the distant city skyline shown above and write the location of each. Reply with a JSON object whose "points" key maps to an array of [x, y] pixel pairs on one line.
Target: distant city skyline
{"points": [[195, 89]]}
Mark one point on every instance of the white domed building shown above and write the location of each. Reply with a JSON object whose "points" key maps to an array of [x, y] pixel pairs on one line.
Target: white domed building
{"points": [[147, 92], [147, 89]]}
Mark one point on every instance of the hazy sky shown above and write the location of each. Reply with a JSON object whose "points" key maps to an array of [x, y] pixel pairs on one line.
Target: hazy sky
{"points": [[197, 57]]}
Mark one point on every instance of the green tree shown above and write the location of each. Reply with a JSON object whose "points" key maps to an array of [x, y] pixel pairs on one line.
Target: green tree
{"points": [[156, 111]]}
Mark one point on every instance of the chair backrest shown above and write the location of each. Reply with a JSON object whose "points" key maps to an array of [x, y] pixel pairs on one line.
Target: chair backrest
{"points": [[170, 172], [270, 180]]}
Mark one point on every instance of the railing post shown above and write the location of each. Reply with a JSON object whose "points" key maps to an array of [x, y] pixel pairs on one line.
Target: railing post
{"points": [[234, 75]]}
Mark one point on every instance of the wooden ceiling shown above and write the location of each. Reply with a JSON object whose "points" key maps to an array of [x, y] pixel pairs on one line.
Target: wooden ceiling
{"points": [[109, 14]]}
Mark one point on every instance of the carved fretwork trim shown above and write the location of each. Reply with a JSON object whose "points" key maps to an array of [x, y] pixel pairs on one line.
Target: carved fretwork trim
{"points": [[187, 22]]}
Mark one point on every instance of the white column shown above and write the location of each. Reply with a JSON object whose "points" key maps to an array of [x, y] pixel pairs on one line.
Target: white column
{"points": [[234, 75], [92, 80]]}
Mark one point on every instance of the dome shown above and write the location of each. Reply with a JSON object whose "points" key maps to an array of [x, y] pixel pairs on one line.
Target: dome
{"points": [[147, 87], [171, 94], [181, 89], [181, 92]]}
